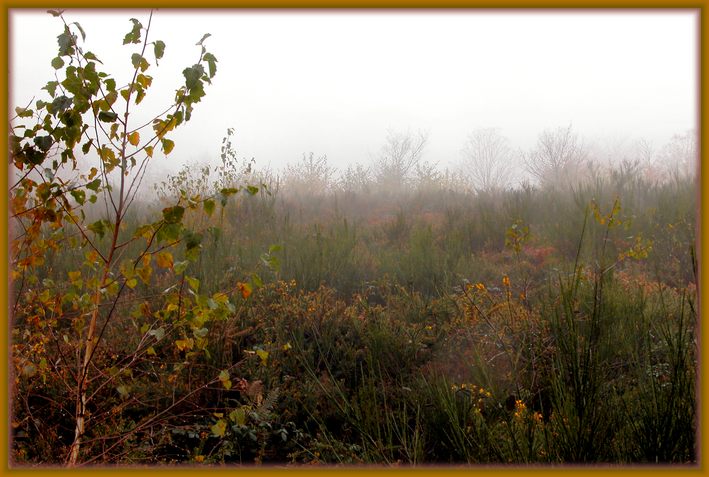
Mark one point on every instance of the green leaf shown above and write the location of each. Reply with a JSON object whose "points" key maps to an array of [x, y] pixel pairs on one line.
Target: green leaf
{"points": [[173, 215], [90, 56], [181, 266], [59, 105], [193, 76], [110, 84], [252, 189], [57, 63], [51, 87], [107, 116], [139, 62], [159, 49], [24, 112], [94, 185], [192, 239], [193, 283], [209, 206], [98, 228], [169, 232], [66, 42], [212, 62], [79, 196], [134, 35], [256, 281], [167, 145], [44, 142]]}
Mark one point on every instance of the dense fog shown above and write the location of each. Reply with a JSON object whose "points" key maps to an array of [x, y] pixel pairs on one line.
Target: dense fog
{"points": [[340, 84]]}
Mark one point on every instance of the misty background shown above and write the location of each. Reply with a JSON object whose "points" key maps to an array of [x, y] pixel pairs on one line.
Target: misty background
{"points": [[350, 86]]}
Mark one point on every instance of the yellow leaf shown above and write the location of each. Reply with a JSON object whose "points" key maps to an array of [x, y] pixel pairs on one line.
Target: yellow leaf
{"points": [[91, 256], [134, 138], [167, 146], [151, 351], [144, 273], [149, 151], [132, 283], [184, 344], [224, 378], [219, 428], [74, 276], [263, 355], [238, 416], [164, 259]]}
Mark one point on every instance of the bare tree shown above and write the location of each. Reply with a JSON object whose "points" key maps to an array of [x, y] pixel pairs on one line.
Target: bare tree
{"points": [[310, 176], [644, 151], [356, 178], [428, 177], [487, 160], [680, 154], [398, 158], [557, 157]]}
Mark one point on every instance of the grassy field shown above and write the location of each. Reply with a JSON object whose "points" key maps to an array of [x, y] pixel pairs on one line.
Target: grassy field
{"points": [[431, 326]]}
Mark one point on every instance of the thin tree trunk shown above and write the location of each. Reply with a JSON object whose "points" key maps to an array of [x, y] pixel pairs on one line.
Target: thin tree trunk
{"points": [[81, 397]]}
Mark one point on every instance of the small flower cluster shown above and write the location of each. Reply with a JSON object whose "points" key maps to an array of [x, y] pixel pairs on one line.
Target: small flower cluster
{"points": [[521, 412], [477, 286], [477, 394]]}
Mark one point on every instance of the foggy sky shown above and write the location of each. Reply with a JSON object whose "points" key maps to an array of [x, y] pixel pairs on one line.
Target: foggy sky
{"points": [[334, 82]]}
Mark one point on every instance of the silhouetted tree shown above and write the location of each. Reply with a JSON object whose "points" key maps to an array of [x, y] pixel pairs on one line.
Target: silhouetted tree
{"points": [[557, 157], [399, 157], [487, 160]]}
